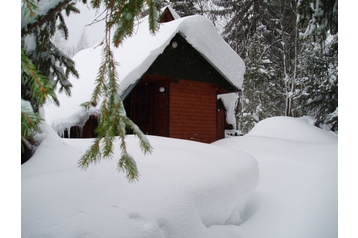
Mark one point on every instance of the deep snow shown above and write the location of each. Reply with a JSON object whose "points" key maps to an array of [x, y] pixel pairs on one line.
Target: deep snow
{"points": [[298, 191], [180, 191], [272, 182]]}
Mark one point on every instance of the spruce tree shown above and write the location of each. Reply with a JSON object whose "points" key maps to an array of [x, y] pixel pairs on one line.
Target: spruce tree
{"points": [[45, 67], [320, 64], [319, 97], [319, 17], [259, 98], [251, 32]]}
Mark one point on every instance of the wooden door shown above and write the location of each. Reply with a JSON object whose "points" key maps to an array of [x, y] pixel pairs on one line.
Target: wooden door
{"points": [[144, 108]]}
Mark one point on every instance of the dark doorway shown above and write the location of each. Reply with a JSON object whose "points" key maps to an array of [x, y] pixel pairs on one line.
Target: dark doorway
{"points": [[148, 105], [144, 108]]}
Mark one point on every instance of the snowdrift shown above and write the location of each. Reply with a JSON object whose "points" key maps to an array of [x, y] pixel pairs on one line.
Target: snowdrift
{"points": [[289, 128], [189, 189], [297, 195], [184, 188]]}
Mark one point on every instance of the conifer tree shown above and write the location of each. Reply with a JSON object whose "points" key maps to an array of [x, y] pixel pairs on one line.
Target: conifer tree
{"points": [[259, 98], [251, 33], [320, 62], [319, 17], [43, 65], [120, 16], [319, 84]]}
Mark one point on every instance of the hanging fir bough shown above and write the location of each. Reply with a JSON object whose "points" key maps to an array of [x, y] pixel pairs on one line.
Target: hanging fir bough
{"points": [[113, 121]]}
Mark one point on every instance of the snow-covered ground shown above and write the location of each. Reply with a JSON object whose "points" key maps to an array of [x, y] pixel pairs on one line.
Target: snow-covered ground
{"points": [[280, 180]]}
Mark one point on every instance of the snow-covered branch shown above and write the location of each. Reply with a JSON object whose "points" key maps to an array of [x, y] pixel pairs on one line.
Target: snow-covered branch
{"points": [[43, 14]]}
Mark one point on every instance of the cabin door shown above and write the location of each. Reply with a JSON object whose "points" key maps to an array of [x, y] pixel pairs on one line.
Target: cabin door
{"points": [[144, 109]]}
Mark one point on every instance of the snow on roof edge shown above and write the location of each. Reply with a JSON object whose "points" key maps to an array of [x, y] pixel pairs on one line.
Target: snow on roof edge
{"points": [[223, 60]]}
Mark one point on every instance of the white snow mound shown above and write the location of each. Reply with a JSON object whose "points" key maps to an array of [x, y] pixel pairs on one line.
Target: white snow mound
{"points": [[184, 188], [290, 128]]}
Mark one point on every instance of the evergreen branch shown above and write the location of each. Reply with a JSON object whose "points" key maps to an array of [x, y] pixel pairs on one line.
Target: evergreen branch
{"points": [[143, 141], [121, 32], [108, 146], [30, 7], [124, 17], [40, 85], [30, 123], [92, 155], [96, 3], [128, 165], [126, 162], [153, 16], [100, 82], [113, 120], [71, 7], [63, 59], [42, 19], [62, 26]]}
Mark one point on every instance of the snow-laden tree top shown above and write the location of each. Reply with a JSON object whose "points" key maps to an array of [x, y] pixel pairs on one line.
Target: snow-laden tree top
{"points": [[139, 51]]}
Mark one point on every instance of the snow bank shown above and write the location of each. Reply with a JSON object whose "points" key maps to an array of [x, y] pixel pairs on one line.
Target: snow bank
{"points": [[290, 128], [297, 195], [188, 189], [184, 188]]}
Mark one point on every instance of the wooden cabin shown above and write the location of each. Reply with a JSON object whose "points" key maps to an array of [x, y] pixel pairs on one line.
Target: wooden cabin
{"points": [[177, 96]]}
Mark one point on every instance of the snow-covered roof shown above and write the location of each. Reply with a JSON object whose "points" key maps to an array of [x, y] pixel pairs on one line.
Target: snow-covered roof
{"points": [[139, 51]]}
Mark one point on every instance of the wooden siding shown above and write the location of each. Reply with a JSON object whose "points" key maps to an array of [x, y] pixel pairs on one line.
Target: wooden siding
{"points": [[193, 111], [88, 130]]}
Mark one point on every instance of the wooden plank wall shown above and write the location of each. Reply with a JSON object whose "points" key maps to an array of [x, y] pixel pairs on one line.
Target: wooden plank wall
{"points": [[193, 111], [88, 130]]}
